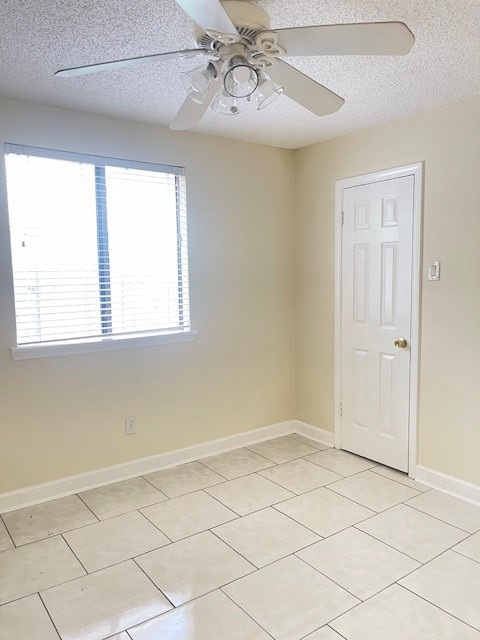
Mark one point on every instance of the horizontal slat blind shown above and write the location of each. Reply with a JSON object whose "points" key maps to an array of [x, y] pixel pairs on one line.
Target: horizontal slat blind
{"points": [[99, 249]]}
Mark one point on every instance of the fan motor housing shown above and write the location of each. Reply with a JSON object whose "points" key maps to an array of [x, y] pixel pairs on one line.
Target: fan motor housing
{"points": [[249, 19]]}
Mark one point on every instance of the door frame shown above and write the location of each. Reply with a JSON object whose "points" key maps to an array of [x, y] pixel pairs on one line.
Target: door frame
{"points": [[415, 170]]}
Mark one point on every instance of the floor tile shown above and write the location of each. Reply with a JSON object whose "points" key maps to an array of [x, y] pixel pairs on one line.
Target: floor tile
{"points": [[192, 513], [5, 540], [312, 443], [373, 491], [325, 633], [210, 617], [300, 475], [234, 464], [184, 479], [470, 547], [401, 477], [441, 505], [15, 581], [289, 599], [397, 614], [249, 493], [47, 519], [247, 561], [452, 582], [115, 540], [26, 619], [357, 562], [194, 566], [104, 603], [121, 497], [282, 449], [324, 511], [342, 462], [265, 536], [412, 532], [36, 566]]}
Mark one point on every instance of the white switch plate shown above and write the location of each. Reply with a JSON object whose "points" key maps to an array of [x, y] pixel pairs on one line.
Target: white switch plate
{"points": [[433, 270]]}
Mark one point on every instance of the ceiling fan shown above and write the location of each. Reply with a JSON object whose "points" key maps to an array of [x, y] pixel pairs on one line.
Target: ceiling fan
{"points": [[242, 58]]}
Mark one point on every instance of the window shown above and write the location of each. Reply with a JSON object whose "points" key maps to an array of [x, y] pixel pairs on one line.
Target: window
{"points": [[99, 250]]}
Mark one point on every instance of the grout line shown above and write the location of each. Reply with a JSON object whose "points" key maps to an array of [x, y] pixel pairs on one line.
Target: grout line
{"points": [[82, 500], [245, 612], [301, 525], [170, 541], [406, 503], [387, 544], [317, 442], [375, 512], [340, 635], [437, 607], [223, 480], [462, 554], [422, 562], [332, 580], [151, 483], [60, 533], [156, 587], [235, 551], [274, 462], [362, 602], [224, 506], [214, 470], [2, 520], [75, 555], [48, 614], [187, 537]]}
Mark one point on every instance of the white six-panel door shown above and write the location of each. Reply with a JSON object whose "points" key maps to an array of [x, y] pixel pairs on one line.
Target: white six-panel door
{"points": [[376, 311]]}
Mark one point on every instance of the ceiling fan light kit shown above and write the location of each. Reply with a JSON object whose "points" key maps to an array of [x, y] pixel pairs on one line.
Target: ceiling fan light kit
{"points": [[243, 58], [225, 104], [267, 91], [197, 82], [241, 79]]}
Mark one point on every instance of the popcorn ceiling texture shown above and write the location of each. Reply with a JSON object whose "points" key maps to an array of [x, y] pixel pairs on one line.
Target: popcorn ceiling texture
{"points": [[38, 37]]}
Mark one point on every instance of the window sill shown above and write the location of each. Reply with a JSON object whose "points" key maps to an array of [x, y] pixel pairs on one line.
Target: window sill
{"points": [[50, 349]]}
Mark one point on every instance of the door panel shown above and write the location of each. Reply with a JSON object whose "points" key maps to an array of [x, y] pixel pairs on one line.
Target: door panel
{"points": [[376, 311]]}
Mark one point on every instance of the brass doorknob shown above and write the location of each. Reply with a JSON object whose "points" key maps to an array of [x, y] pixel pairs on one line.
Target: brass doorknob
{"points": [[401, 344]]}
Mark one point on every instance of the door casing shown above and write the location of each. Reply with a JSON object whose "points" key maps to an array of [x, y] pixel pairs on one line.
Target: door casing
{"points": [[415, 170]]}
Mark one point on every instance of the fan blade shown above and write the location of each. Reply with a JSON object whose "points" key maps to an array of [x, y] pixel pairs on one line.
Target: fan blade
{"points": [[191, 112], [308, 93], [208, 14], [130, 62], [364, 39]]}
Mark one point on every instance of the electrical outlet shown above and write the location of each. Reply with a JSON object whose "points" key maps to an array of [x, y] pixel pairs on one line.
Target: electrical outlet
{"points": [[130, 426], [433, 270]]}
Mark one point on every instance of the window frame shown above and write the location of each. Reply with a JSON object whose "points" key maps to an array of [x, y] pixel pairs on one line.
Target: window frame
{"points": [[106, 341]]}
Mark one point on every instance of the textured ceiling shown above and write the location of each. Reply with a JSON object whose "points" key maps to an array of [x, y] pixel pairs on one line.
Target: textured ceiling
{"points": [[38, 37]]}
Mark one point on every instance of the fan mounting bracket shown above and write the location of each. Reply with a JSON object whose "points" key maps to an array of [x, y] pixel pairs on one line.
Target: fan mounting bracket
{"points": [[249, 20]]}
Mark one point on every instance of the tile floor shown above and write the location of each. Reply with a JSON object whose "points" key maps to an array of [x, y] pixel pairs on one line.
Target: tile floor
{"points": [[286, 540]]}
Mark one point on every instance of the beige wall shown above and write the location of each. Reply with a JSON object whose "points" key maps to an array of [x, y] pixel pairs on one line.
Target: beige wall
{"points": [[448, 141], [64, 415]]}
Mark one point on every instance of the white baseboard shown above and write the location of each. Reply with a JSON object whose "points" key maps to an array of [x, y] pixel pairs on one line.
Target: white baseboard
{"points": [[315, 433], [38, 493], [449, 484], [436, 479]]}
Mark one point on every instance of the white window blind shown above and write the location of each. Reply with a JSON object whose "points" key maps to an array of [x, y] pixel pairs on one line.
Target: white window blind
{"points": [[99, 247]]}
